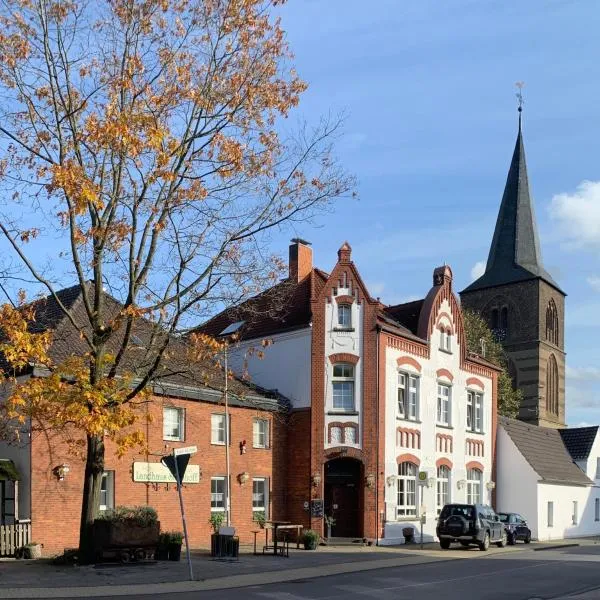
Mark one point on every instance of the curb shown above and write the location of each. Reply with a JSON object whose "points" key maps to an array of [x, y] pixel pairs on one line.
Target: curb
{"points": [[555, 547]]}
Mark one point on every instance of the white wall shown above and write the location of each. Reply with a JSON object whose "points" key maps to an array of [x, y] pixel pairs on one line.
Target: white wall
{"points": [[563, 497], [516, 483], [428, 454], [589, 466], [284, 367]]}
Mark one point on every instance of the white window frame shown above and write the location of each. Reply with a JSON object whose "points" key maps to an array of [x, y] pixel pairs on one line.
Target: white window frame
{"points": [[257, 434], [443, 488], [167, 421], [474, 411], [214, 493], [408, 396], [550, 515], [216, 428], [575, 515], [406, 490], [346, 380], [265, 507], [350, 430], [344, 316], [448, 342], [444, 400], [107, 487], [474, 486]]}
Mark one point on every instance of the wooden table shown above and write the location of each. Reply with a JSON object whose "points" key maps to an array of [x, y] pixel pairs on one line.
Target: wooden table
{"points": [[275, 525]]}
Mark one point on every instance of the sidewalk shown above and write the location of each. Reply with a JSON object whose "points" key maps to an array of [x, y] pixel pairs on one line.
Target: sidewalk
{"points": [[41, 579]]}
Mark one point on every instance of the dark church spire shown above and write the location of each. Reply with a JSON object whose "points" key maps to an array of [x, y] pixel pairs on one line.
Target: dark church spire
{"points": [[515, 253]]}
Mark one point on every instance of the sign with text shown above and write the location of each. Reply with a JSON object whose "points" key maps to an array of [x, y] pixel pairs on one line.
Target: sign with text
{"points": [[316, 508], [157, 473], [186, 450]]}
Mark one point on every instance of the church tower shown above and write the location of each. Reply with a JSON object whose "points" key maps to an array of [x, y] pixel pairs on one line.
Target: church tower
{"points": [[521, 302]]}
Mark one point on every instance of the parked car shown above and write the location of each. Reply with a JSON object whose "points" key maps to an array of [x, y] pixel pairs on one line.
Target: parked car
{"points": [[516, 528], [470, 524]]}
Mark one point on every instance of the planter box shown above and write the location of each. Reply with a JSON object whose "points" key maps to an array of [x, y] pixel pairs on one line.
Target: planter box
{"points": [[124, 534]]}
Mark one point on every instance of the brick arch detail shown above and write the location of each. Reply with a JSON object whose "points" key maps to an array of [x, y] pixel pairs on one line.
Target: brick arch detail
{"points": [[476, 382], [473, 464], [439, 324], [411, 458], [444, 462], [408, 360], [445, 373], [345, 299], [343, 357], [343, 452]]}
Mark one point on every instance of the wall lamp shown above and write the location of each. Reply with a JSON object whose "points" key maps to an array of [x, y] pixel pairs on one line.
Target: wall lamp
{"points": [[490, 485], [316, 480], [460, 484], [60, 471]]}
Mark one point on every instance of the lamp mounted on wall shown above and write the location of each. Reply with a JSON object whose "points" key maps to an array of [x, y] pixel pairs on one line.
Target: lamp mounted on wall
{"points": [[316, 480], [391, 480], [490, 485], [370, 481], [460, 484], [243, 477], [60, 471]]}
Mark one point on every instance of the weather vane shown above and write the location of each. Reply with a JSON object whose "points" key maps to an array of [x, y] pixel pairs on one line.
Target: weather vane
{"points": [[520, 85]]}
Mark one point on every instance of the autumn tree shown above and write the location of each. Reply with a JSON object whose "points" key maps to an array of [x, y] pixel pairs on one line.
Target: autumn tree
{"points": [[144, 154], [481, 341]]}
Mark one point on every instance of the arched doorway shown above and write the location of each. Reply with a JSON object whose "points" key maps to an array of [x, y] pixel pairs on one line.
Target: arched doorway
{"points": [[343, 496]]}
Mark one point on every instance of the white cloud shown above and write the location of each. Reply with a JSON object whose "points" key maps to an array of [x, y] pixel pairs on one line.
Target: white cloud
{"points": [[594, 282], [582, 373], [478, 270], [583, 424], [376, 288], [578, 215]]}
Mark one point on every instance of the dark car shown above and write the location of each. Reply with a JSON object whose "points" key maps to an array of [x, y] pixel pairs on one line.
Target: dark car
{"points": [[470, 524], [516, 528]]}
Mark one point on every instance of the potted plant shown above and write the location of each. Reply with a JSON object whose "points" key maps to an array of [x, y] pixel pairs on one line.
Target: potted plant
{"points": [[329, 522], [216, 520], [310, 539], [31, 550], [260, 518], [162, 551], [175, 542]]}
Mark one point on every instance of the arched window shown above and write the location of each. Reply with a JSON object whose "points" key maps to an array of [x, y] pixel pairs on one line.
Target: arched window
{"points": [[474, 484], [494, 322], [552, 323], [504, 319], [552, 386], [345, 316], [343, 387], [407, 489], [443, 487]]}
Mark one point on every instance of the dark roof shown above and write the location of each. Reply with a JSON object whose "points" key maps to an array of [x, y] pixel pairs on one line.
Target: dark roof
{"points": [[283, 307], [200, 380], [515, 253], [406, 314], [579, 440], [544, 450]]}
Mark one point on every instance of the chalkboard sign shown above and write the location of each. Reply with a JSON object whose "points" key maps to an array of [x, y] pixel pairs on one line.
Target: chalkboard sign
{"points": [[316, 508]]}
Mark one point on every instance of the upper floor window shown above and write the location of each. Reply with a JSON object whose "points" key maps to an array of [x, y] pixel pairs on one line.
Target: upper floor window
{"points": [[504, 318], [408, 396], [494, 319], [446, 340], [407, 490], [343, 387], [552, 323], [443, 404], [173, 423], [474, 411], [474, 486], [107, 490], [345, 316], [260, 433], [552, 385], [217, 429], [443, 487]]}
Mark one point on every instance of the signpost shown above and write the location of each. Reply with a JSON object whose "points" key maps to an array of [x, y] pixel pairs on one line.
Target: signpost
{"points": [[177, 463]]}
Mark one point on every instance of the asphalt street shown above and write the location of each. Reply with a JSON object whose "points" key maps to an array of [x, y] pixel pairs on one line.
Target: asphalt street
{"points": [[572, 573]]}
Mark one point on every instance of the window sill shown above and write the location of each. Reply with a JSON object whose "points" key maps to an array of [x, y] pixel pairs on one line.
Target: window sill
{"points": [[444, 426], [445, 351], [405, 519], [216, 510], [473, 432], [347, 413], [415, 421], [218, 444], [341, 329], [259, 447], [173, 439]]}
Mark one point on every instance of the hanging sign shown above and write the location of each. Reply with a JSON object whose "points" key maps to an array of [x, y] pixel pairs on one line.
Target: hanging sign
{"points": [[158, 473]]}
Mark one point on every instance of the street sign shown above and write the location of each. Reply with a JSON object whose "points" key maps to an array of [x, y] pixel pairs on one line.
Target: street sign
{"points": [[178, 469], [422, 477], [186, 450]]}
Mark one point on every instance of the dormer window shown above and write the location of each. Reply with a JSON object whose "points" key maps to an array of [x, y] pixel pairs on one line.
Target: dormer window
{"points": [[345, 316], [446, 340]]}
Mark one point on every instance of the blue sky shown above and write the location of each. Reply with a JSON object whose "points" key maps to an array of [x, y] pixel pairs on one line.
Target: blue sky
{"points": [[428, 92]]}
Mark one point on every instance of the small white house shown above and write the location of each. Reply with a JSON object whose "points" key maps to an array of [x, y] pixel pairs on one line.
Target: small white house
{"points": [[557, 493]]}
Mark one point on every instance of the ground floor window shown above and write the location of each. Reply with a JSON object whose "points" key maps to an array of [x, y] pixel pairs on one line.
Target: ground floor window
{"points": [[217, 494], [474, 485], [107, 490], [597, 509], [407, 490], [260, 495], [443, 487], [575, 512], [550, 514]]}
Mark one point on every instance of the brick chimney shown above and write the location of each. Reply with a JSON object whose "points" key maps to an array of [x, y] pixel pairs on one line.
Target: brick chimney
{"points": [[301, 259]]}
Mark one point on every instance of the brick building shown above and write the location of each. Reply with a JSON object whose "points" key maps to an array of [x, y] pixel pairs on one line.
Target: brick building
{"points": [[41, 480], [390, 416]]}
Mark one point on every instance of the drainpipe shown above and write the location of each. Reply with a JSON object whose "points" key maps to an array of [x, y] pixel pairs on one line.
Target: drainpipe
{"points": [[377, 333]]}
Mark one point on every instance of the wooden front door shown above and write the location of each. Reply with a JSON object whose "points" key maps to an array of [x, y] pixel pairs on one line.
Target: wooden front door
{"points": [[342, 501]]}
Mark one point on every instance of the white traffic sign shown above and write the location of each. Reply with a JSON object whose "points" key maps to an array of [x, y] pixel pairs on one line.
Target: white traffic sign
{"points": [[186, 450]]}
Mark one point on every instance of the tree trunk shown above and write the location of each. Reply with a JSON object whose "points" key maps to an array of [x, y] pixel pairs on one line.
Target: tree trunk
{"points": [[94, 467]]}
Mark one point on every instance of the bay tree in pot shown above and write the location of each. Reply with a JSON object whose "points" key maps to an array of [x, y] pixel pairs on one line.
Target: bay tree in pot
{"points": [[310, 539], [175, 542]]}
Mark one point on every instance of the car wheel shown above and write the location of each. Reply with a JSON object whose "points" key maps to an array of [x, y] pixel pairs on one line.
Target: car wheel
{"points": [[445, 544], [511, 539], [527, 538], [484, 546], [502, 541]]}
